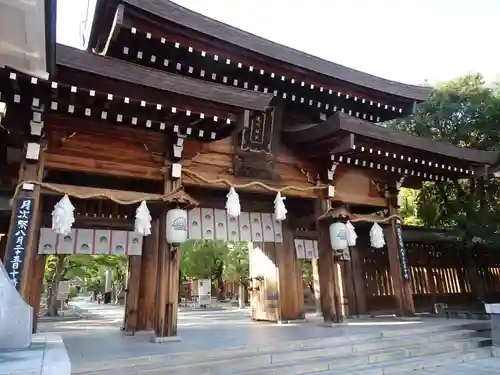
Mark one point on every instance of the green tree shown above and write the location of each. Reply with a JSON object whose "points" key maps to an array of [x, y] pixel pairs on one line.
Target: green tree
{"points": [[464, 112], [203, 259], [89, 268], [236, 267]]}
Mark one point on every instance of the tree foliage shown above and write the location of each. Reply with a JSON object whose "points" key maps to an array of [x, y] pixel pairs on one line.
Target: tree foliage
{"points": [[464, 112], [236, 264], [203, 259], [88, 269]]}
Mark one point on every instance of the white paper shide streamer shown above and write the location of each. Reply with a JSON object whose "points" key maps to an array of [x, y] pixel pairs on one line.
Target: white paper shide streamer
{"points": [[351, 234], [143, 220], [280, 210], [63, 216], [233, 203], [377, 236]]}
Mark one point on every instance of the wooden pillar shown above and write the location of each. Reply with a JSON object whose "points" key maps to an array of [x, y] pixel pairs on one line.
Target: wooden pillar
{"points": [[325, 266], [290, 291], [396, 252], [148, 273], [167, 280], [133, 290], [22, 239]]}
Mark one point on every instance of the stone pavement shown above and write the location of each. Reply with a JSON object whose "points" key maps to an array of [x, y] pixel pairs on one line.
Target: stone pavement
{"points": [[490, 366], [98, 338]]}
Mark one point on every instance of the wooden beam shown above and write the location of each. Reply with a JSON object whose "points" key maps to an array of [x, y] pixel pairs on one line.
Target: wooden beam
{"points": [[345, 145], [101, 193], [101, 167]]}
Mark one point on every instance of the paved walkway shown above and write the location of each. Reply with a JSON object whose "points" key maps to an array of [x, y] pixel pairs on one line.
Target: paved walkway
{"points": [[490, 366], [98, 338]]}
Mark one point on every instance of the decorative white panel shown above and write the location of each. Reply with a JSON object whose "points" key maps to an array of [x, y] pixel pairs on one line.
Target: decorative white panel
{"points": [[102, 242], [207, 224], [119, 241], [48, 242], [194, 225], [66, 244], [90, 241], [215, 224], [244, 223], [256, 227], [300, 248], [84, 241], [278, 231], [306, 249], [134, 243], [233, 229], [268, 227], [220, 225], [309, 248]]}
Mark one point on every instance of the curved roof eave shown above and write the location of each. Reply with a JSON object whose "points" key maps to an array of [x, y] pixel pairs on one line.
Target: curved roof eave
{"points": [[198, 22]]}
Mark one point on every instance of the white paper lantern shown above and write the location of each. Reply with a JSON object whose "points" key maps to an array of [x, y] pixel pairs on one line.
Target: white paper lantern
{"points": [[143, 220], [351, 234], [176, 230], [280, 210], [63, 216], [233, 203], [338, 236], [377, 236]]}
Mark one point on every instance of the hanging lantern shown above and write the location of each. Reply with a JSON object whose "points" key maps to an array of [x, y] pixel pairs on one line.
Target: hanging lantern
{"points": [[63, 216], [338, 236], [351, 234], [143, 220], [377, 236], [233, 203], [279, 207], [176, 230]]}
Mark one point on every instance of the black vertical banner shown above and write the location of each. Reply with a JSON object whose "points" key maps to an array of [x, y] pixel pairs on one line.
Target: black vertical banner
{"points": [[16, 250], [403, 256]]}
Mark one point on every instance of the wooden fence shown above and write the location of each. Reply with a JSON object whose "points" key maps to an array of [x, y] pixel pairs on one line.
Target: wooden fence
{"points": [[439, 273]]}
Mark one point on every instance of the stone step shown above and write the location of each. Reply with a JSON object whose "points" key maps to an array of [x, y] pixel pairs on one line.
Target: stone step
{"points": [[351, 343], [308, 360], [408, 365]]}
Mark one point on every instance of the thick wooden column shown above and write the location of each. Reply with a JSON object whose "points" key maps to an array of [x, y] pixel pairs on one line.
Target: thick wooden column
{"points": [[133, 291], [147, 285], [396, 252], [22, 239], [325, 266], [167, 281], [290, 290]]}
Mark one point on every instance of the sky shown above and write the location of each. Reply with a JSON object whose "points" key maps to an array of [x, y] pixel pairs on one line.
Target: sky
{"points": [[411, 41]]}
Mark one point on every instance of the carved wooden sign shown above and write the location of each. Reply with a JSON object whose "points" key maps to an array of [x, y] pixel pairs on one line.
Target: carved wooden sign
{"points": [[254, 157], [258, 135]]}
